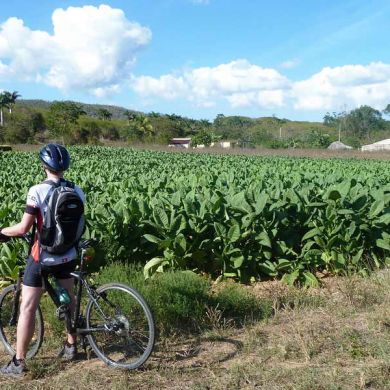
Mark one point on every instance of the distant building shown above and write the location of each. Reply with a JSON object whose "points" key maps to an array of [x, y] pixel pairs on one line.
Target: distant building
{"points": [[337, 145], [180, 143], [225, 144], [381, 145]]}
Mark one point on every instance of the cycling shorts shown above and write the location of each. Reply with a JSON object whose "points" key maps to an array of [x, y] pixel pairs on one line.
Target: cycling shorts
{"points": [[34, 272]]}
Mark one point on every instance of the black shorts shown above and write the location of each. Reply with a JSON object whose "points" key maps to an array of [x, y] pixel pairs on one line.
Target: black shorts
{"points": [[34, 272]]}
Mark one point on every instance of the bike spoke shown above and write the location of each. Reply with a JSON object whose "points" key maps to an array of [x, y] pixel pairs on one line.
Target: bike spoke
{"points": [[127, 338]]}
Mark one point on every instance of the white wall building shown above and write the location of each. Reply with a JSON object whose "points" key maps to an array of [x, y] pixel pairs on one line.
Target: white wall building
{"points": [[381, 145]]}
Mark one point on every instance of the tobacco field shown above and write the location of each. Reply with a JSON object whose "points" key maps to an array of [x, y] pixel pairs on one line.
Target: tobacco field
{"points": [[242, 217]]}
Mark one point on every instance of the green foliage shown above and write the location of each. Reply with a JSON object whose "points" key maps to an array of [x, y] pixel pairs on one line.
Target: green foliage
{"points": [[331, 120], [139, 128], [10, 262], [177, 299], [23, 126], [62, 118], [361, 122], [240, 305], [227, 216], [104, 114], [134, 127], [180, 301], [317, 139], [204, 137]]}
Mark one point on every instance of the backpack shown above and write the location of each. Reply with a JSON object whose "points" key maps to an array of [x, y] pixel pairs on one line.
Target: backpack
{"points": [[63, 221]]}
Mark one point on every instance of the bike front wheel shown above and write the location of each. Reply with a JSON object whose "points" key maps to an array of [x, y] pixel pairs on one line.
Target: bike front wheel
{"points": [[121, 326], [8, 328]]}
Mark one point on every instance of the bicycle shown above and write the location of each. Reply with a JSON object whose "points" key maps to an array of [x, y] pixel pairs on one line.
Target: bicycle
{"points": [[118, 323]]}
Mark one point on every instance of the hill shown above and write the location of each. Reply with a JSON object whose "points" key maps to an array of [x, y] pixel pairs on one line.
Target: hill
{"points": [[269, 132], [91, 109]]}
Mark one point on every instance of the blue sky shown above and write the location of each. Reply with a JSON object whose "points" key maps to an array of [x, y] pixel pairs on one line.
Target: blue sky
{"points": [[295, 59]]}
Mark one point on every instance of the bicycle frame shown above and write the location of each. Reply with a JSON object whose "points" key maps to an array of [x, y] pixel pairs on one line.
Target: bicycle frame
{"points": [[127, 326], [73, 323]]}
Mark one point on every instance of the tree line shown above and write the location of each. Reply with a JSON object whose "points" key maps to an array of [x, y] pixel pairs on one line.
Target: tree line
{"points": [[363, 123], [76, 123]]}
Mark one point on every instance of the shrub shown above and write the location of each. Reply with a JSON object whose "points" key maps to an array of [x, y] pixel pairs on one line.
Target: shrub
{"points": [[180, 300], [240, 305]]}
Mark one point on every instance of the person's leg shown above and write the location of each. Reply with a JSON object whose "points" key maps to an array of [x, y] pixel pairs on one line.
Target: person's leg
{"points": [[68, 284], [26, 321]]}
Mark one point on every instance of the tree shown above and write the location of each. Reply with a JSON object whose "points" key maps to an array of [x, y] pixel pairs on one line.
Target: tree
{"points": [[4, 103], [104, 114], [62, 117], [154, 114], [204, 137], [130, 115], [12, 97], [387, 110], [144, 126], [363, 120], [139, 127], [331, 120], [23, 126]]}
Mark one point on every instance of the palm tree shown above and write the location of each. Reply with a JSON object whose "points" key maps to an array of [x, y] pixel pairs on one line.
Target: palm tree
{"points": [[12, 97], [144, 126], [4, 103], [131, 115]]}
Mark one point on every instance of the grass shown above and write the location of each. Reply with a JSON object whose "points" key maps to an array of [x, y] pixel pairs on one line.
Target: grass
{"points": [[185, 303], [335, 337]]}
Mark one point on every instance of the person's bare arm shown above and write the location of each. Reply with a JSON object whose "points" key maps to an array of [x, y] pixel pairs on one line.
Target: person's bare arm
{"points": [[20, 228]]}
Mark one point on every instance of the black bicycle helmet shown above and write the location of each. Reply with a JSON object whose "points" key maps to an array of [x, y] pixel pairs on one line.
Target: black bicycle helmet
{"points": [[55, 157]]}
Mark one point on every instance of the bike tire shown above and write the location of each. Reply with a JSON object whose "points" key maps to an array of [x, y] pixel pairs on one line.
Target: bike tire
{"points": [[8, 332], [130, 345]]}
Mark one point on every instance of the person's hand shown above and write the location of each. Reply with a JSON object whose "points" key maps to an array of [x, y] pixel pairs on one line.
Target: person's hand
{"points": [[4, 238]]}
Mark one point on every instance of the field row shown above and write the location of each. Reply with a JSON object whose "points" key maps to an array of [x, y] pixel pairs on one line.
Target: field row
{"points": [[236, 216]]}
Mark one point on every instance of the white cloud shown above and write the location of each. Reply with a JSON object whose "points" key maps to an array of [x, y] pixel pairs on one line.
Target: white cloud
{"points": [[92, 48], [354, 85], [243, 84], [238, 82]]}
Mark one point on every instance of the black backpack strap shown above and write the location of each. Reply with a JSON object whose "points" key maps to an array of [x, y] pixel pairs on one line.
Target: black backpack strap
{"points": [[69, 184], [32, 239], [53, 183], [61, 182]]}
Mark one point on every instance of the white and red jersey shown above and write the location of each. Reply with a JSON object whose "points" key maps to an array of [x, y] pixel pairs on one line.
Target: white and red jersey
{"points": [[37, 199]]}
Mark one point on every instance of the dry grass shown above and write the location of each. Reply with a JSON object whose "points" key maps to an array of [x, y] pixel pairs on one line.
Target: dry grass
{"points": [[336, 337]]}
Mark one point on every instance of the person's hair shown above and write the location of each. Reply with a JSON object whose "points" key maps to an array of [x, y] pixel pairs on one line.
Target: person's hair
{"points": [[51, 171]]}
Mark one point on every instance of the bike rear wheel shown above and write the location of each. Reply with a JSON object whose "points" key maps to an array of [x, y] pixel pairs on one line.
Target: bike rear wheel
{"points": [[123, 326], [8, 331]]}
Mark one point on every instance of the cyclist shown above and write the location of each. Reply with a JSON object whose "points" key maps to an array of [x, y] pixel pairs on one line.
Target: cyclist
{"points": [[55, 159]]}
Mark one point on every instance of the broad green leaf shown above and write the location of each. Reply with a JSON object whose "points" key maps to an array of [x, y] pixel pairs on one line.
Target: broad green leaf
{"points": [[264, 239], [376, 208], [310, 279], [383, 244], [234, 233], [311, 233], [152, 238]]}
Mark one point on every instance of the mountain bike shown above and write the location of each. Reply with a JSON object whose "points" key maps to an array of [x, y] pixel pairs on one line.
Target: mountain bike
{"points": [[117, 322]]}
